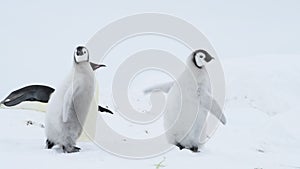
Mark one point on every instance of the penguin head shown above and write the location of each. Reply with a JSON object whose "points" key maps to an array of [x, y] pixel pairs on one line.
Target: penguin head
{"points": [[201, 57], [81, 54]]}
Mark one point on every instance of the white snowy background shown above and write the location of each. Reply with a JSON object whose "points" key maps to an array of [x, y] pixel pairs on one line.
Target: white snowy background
{"points": [[256, 41]]}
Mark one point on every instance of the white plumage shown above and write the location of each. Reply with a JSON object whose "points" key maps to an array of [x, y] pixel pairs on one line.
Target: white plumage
{"points": [[188, 104], [70, 103]]}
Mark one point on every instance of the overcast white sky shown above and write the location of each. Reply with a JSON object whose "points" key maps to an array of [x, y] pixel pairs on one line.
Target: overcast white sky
{"points": [[37, 38]]}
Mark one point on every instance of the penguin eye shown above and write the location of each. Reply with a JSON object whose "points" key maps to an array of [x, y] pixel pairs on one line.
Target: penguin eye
{"points": [[201, 55]]}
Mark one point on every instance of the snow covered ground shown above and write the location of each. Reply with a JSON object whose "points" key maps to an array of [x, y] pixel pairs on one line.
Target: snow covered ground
{"points": [[256, 41], [262, 129]]}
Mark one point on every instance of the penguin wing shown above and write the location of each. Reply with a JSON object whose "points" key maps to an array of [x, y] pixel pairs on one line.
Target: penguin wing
{"points": [[67, 104], [217, 112], [165, 87], [102, 109], [215, 109]]}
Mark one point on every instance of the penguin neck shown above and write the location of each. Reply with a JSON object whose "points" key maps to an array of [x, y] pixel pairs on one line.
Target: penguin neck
{"points": [[83, 67], [199, 74]]}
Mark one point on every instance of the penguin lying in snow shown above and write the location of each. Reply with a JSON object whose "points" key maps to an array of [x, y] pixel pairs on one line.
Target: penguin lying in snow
{"points": [[33, 97], [187, 129], [70, 104]]}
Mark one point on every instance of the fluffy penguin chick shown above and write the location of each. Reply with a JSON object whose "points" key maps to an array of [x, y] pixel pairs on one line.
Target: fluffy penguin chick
{"points": [[185, 121], [70, 103]]}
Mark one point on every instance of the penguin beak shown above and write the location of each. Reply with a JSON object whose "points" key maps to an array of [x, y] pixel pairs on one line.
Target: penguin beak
{"points": [[96, 66]]}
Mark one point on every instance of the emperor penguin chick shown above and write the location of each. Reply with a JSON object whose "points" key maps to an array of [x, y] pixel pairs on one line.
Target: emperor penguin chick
{"points": [[70, 103], [186, 121]]}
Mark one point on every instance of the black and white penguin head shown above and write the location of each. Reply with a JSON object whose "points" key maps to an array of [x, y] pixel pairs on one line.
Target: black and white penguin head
{"points": [[81, 54], [201, 57]]}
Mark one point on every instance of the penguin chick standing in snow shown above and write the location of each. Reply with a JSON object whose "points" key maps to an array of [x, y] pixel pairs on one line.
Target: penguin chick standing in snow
{"points": [[187, 128], [69, 105]]}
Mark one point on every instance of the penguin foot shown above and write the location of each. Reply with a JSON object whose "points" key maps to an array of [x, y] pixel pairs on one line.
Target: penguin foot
{"points": [[70, 149], [49, 144], [180, 146], [194, 149]]}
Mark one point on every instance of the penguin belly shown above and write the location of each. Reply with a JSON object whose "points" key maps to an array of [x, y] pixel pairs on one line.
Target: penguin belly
{"points": [[184, 118]]}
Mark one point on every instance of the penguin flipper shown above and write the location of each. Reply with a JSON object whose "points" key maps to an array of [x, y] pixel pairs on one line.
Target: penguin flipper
{"points": [[217, 112], [102, 109], [214, 108], [67, 104]]}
